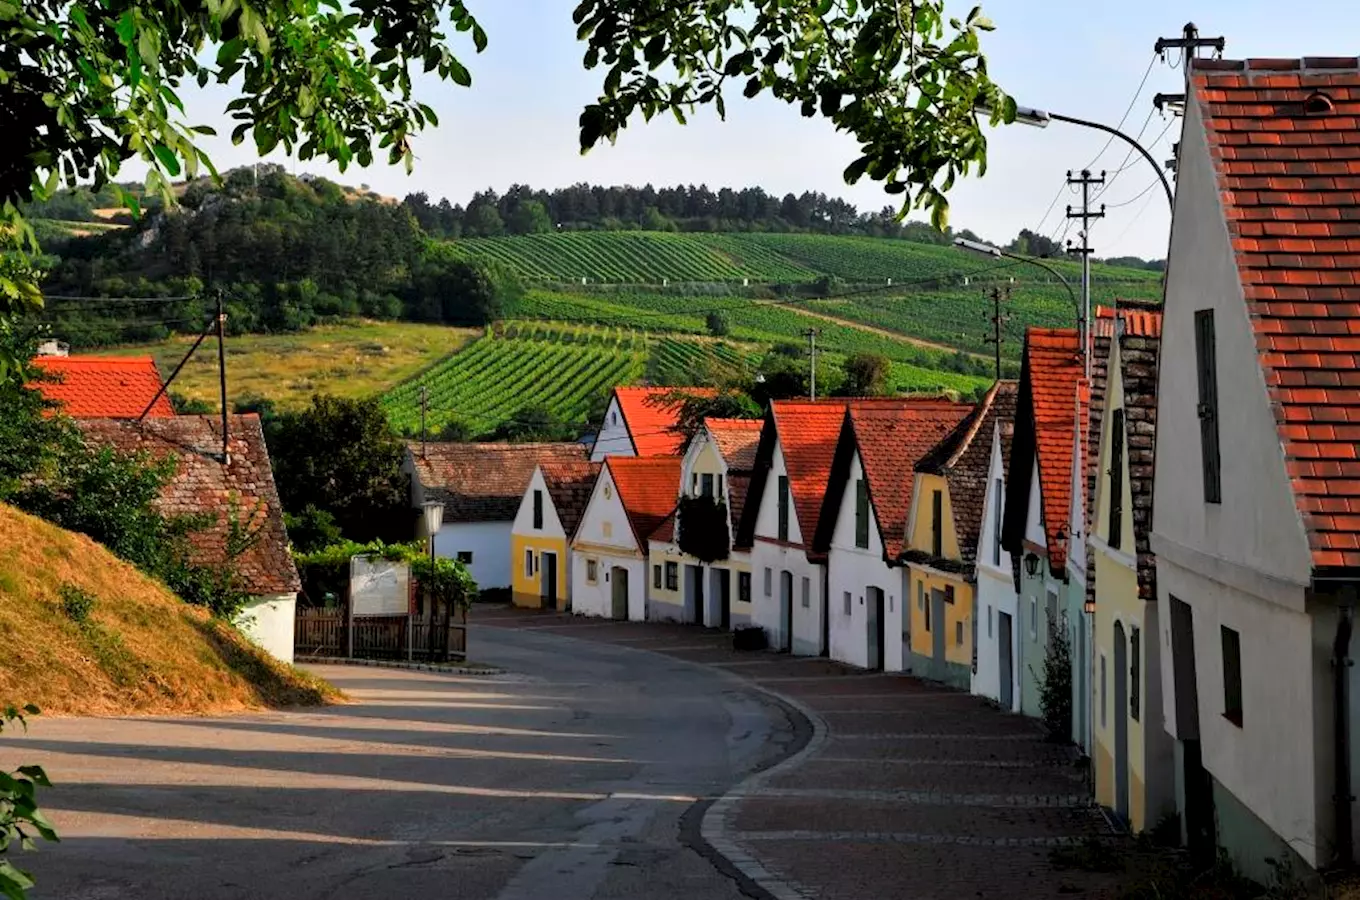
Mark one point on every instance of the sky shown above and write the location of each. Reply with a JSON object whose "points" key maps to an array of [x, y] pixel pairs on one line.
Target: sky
{"points": [[517, 123]]}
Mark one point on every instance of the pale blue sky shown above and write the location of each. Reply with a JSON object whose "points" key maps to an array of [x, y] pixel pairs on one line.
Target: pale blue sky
{"points": [[518, 121]]}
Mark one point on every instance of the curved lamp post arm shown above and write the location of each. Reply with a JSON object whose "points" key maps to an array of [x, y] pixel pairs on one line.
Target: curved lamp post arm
{"points": [[989, 250], [1166, 185]]}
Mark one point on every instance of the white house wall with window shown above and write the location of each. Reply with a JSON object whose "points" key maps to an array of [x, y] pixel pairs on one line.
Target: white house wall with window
{"points": [[608, 568], [1255, 459], [998, 632], [862, 584]]}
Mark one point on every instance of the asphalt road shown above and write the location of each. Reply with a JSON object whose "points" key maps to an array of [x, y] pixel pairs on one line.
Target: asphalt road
{"points": [[581, 773]]}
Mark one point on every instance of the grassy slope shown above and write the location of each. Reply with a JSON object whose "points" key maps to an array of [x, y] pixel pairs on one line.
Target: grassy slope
{"points": [[142, 651], [349, 360]]}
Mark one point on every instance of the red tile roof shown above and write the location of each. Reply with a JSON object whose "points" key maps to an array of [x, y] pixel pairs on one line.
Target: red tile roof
{"points": [[1140, 320], [570, 483], [202, 485], [648, 488], [1289, 181], [736, 440], [1055, 374], [651, 420], [483, 482], [807, 431], [109, 387], [891, 441]]}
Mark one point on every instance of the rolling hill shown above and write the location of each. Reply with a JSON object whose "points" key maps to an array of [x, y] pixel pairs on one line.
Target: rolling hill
{"points": [[140, 649]]}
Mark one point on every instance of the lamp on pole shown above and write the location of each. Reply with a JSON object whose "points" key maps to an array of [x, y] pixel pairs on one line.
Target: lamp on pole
{"points": [[434, 520], [1039, 118], [997, 253]]}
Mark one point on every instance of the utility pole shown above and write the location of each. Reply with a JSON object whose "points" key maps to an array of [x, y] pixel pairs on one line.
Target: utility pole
{"points": [[1086, 215], [424, 395], [997, 319], [222, 370], [811, 335]]}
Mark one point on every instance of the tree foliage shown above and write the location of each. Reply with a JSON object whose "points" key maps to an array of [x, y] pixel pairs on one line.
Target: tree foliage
{"points": [[20, 818], [341, 456], [866, 375], [901, 76], [691, 409]]}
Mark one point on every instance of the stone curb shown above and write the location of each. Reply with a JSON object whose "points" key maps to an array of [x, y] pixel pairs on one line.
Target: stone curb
{"points": [[397, 664]]}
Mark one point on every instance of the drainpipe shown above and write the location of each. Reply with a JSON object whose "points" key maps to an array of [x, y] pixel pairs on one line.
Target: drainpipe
{"points": [[1341, 665]]}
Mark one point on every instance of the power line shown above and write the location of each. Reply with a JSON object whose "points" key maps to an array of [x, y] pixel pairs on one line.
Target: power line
{"points": [[1136, 94], [1129, 161], [1136, 197]]}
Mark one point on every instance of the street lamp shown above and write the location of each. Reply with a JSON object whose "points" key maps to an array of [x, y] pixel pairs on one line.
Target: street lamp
{"points": [[1039, 118], [434, 520], [998, 253]]}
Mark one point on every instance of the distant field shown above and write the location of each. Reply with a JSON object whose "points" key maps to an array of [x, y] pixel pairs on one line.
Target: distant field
{"points": [[350, 360], [651, 258], [564, 370]]}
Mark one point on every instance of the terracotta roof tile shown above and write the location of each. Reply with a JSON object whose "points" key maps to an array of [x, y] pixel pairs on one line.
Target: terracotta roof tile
{"points": [[965, 459], [808, 431], [483, 482], [109, 387], [736, 440], [738, 488], [1052, 372], [203, 485], [1289, 180], [650, 420], [648, 488], [570, 483]]}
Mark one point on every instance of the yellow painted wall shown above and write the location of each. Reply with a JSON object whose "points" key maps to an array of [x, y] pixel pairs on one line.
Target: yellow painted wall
{"points": [[920, 536], [527, 590], [659, 555], [1117, 600], [960, 611]]}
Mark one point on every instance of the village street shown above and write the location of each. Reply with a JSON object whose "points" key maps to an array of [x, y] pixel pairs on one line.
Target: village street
{"points": [[588, 769]]}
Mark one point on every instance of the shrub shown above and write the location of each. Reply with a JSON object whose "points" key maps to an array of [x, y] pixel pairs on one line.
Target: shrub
{"points": [[1055, 692], [77, 603]]}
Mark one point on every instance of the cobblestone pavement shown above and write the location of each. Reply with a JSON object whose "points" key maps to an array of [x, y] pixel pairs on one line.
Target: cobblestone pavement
{"points": [[904, 789]]}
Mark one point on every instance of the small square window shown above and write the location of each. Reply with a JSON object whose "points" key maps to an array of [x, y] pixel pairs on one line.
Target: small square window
{"points": [[846, 599], [958, 634], [528, 562], [656, 575], [769, 582], [989, 621], [1033, 618], [744, 587], [807, 593], [672, 576], [592, 571], [890, 603], [465, 557], [607, 528]]}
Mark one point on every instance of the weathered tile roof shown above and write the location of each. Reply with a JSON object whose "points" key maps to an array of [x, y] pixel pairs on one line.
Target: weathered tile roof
{"points": [[736, 440], [1051, 379], [109, 387], [483, 482], [204, 485], [1139, 342], [1284, 137], [738, 488], [964, 458], [648, 488], [651, 420], [570, 483]]}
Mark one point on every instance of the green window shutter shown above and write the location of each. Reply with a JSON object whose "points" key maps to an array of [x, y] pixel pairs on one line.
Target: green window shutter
{"points": [[861, 513], [783, 534], [1206, 363], [1116, 521]]}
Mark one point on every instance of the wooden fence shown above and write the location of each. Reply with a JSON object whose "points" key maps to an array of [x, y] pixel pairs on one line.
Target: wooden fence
{"points": [[326, 632]]}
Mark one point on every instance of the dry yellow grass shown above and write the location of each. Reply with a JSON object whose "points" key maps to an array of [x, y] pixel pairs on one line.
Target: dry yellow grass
{"points": [[358, 359], [142, 650]]}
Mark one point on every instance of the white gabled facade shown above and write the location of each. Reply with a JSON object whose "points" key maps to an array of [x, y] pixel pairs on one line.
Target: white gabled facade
{"points": [[613, 439], [997, 676], [681, 587], [608, 567], [782, 575], [855, 577]]}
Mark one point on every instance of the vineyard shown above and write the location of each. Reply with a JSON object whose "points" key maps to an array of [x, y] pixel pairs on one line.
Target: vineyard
{"points": [[659, 258]]}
